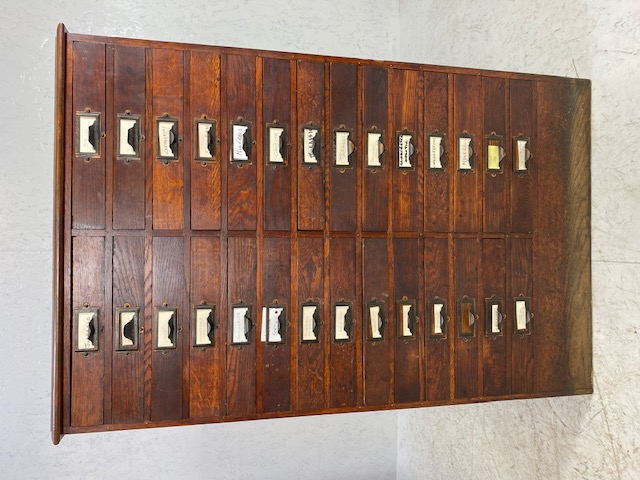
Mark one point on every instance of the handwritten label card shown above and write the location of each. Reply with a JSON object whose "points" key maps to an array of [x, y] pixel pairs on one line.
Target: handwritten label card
{"points": [[464, 153], [239, 152], [275, 145], [435, 152], [405, 150], [309, 138]]}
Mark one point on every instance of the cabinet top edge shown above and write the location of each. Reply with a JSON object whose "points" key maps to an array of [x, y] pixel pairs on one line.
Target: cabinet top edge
{"points": [[135, 42]]}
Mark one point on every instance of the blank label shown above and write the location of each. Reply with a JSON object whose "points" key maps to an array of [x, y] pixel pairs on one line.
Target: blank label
{"points": [[88, 134], [493, 157], [406, 319], [342, 312], [206, 131], [522, 316], [87, 330], [127, 137], [272, 318], [165, 334], [522, 154], [309, 323], [467, 318], [344, 148], [375, 321], [438, 318], [127, 329], [240, 318], [204, 326], [496, 318], [374, 149]]}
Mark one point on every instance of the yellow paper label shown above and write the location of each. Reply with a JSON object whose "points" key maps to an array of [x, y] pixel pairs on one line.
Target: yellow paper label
{"points": [[493, 157]]}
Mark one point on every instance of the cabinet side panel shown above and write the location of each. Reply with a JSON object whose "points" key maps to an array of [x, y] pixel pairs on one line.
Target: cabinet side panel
{"points": [[561, 251]]}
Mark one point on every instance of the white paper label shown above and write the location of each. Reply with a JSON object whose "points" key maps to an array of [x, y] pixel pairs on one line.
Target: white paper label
{"points": [[405, 150], [275, 142], [165, 138], [203, 140], [343, 149], [522, 154], [373, 149], [437, 318], [308, 322], [203, 327], [273, 334], [271, 324], [405, 310], [125, 319], [84, 330], [164, 323], [496, 317], [374, 318], [464, 153], [309, 137], [521, 315], [435, 152], [124, 148], [86, 121], [239, 153], [239, 332], [341, 314]]}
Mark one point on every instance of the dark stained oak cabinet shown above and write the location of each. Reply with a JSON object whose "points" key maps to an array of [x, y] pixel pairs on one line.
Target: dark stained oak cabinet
{"points": [[244, 234]]}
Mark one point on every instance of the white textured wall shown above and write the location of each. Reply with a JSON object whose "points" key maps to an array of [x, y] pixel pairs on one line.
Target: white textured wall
{"points": [[595, 436], [340, 446]]}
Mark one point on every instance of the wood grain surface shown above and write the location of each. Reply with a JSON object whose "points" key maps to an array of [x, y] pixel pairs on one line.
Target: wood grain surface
{"points": [[148, 234]]}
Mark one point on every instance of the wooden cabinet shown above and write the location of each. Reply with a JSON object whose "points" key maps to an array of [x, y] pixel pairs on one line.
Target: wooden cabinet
{"points": [[245, 234]]}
